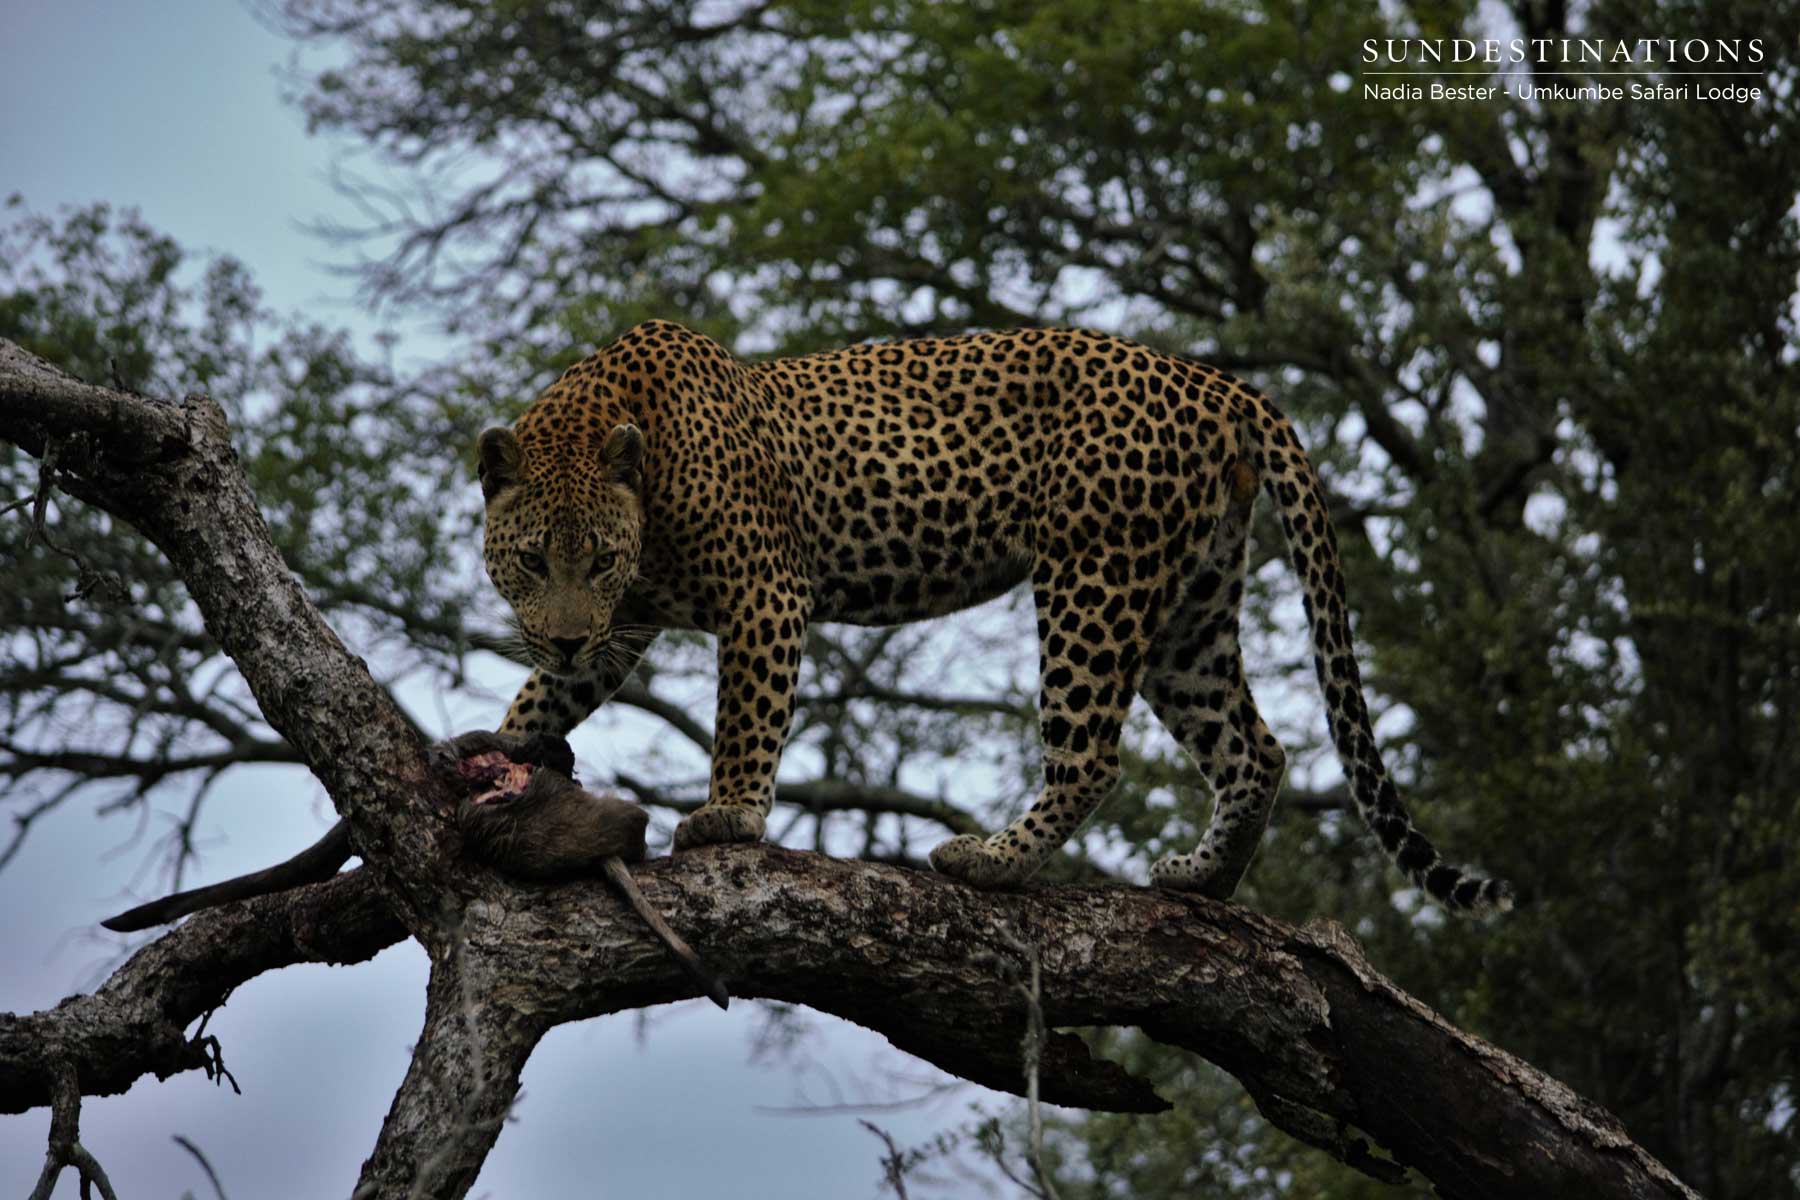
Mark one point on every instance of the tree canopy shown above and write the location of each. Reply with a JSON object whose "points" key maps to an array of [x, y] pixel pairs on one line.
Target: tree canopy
{"points": [[1543, 352]]}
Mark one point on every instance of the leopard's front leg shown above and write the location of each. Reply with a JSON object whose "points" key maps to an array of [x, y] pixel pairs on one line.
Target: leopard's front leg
{"points": [[556, 704], [759, 666]]}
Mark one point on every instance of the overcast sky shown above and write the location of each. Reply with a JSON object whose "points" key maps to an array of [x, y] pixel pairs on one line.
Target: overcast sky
{"points": [[175, 108]]}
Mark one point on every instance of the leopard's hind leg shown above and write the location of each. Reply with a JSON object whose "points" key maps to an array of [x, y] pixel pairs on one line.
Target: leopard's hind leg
{"points": [[1195, 685], [1094, 630], [1197, 691]]}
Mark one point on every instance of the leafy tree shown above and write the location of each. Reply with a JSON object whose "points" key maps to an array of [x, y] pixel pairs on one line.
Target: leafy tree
{"points": [[1544, 350], [111, 681]]}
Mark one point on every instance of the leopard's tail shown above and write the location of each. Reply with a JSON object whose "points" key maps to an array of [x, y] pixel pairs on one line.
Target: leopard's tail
{"points": [[1288, 477]]}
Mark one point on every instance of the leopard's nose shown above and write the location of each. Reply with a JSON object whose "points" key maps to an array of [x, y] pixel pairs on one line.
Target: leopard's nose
{"points": [[570, 647]]}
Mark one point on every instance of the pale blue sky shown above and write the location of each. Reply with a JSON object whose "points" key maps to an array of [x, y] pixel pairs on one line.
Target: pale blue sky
{"points": [[175, 108]]}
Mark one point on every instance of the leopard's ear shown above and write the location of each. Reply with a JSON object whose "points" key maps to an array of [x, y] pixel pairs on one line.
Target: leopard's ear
{"points": [[622, 456], [498, 461]]}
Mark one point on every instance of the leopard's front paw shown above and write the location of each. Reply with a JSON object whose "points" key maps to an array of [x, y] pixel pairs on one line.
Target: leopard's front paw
{"points": [[978, 864], [1202, 873], [719, 823]]}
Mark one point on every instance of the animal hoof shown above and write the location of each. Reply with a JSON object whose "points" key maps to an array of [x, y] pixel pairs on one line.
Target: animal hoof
{"points": [[974, 862], [718, 824]]}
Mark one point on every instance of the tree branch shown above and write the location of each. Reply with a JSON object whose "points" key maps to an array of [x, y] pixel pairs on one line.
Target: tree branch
{"points": [[1325, 1045], [823, 796], [462, 1083], [133, 1024]]}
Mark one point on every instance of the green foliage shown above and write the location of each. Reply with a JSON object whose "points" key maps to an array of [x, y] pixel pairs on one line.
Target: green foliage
{"points": [[109, 670], [1543, 353]]}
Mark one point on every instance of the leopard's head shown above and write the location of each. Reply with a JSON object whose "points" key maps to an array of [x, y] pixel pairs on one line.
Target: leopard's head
{"points": [[562, 536]]}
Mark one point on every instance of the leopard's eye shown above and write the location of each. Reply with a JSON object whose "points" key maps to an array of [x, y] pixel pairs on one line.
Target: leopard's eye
{"points": [[532, 561], [603, 562]]}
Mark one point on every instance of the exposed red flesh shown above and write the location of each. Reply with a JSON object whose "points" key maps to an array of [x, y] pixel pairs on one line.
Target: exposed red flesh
{"points": [[503, 778]]}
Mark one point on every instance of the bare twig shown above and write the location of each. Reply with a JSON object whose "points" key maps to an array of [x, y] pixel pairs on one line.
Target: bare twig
{"points": [[212, 1054], [66, 1149], [212, 1176], [22, 821], [819, 796], [850, 1107], [1032, 1050], [893, 1163], [88, 579]]}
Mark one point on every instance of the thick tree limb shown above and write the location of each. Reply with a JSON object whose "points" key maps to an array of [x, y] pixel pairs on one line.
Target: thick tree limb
{"points": [[1324, 1044], [461, 1085], [1331, 1051]]}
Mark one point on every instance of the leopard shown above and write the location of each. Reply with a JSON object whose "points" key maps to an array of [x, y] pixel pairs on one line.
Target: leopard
{"points": [[664, 483]]}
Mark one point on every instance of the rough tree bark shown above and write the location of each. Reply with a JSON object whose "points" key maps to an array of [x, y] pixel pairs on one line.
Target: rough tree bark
{"points": [[1331, 1052]]}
